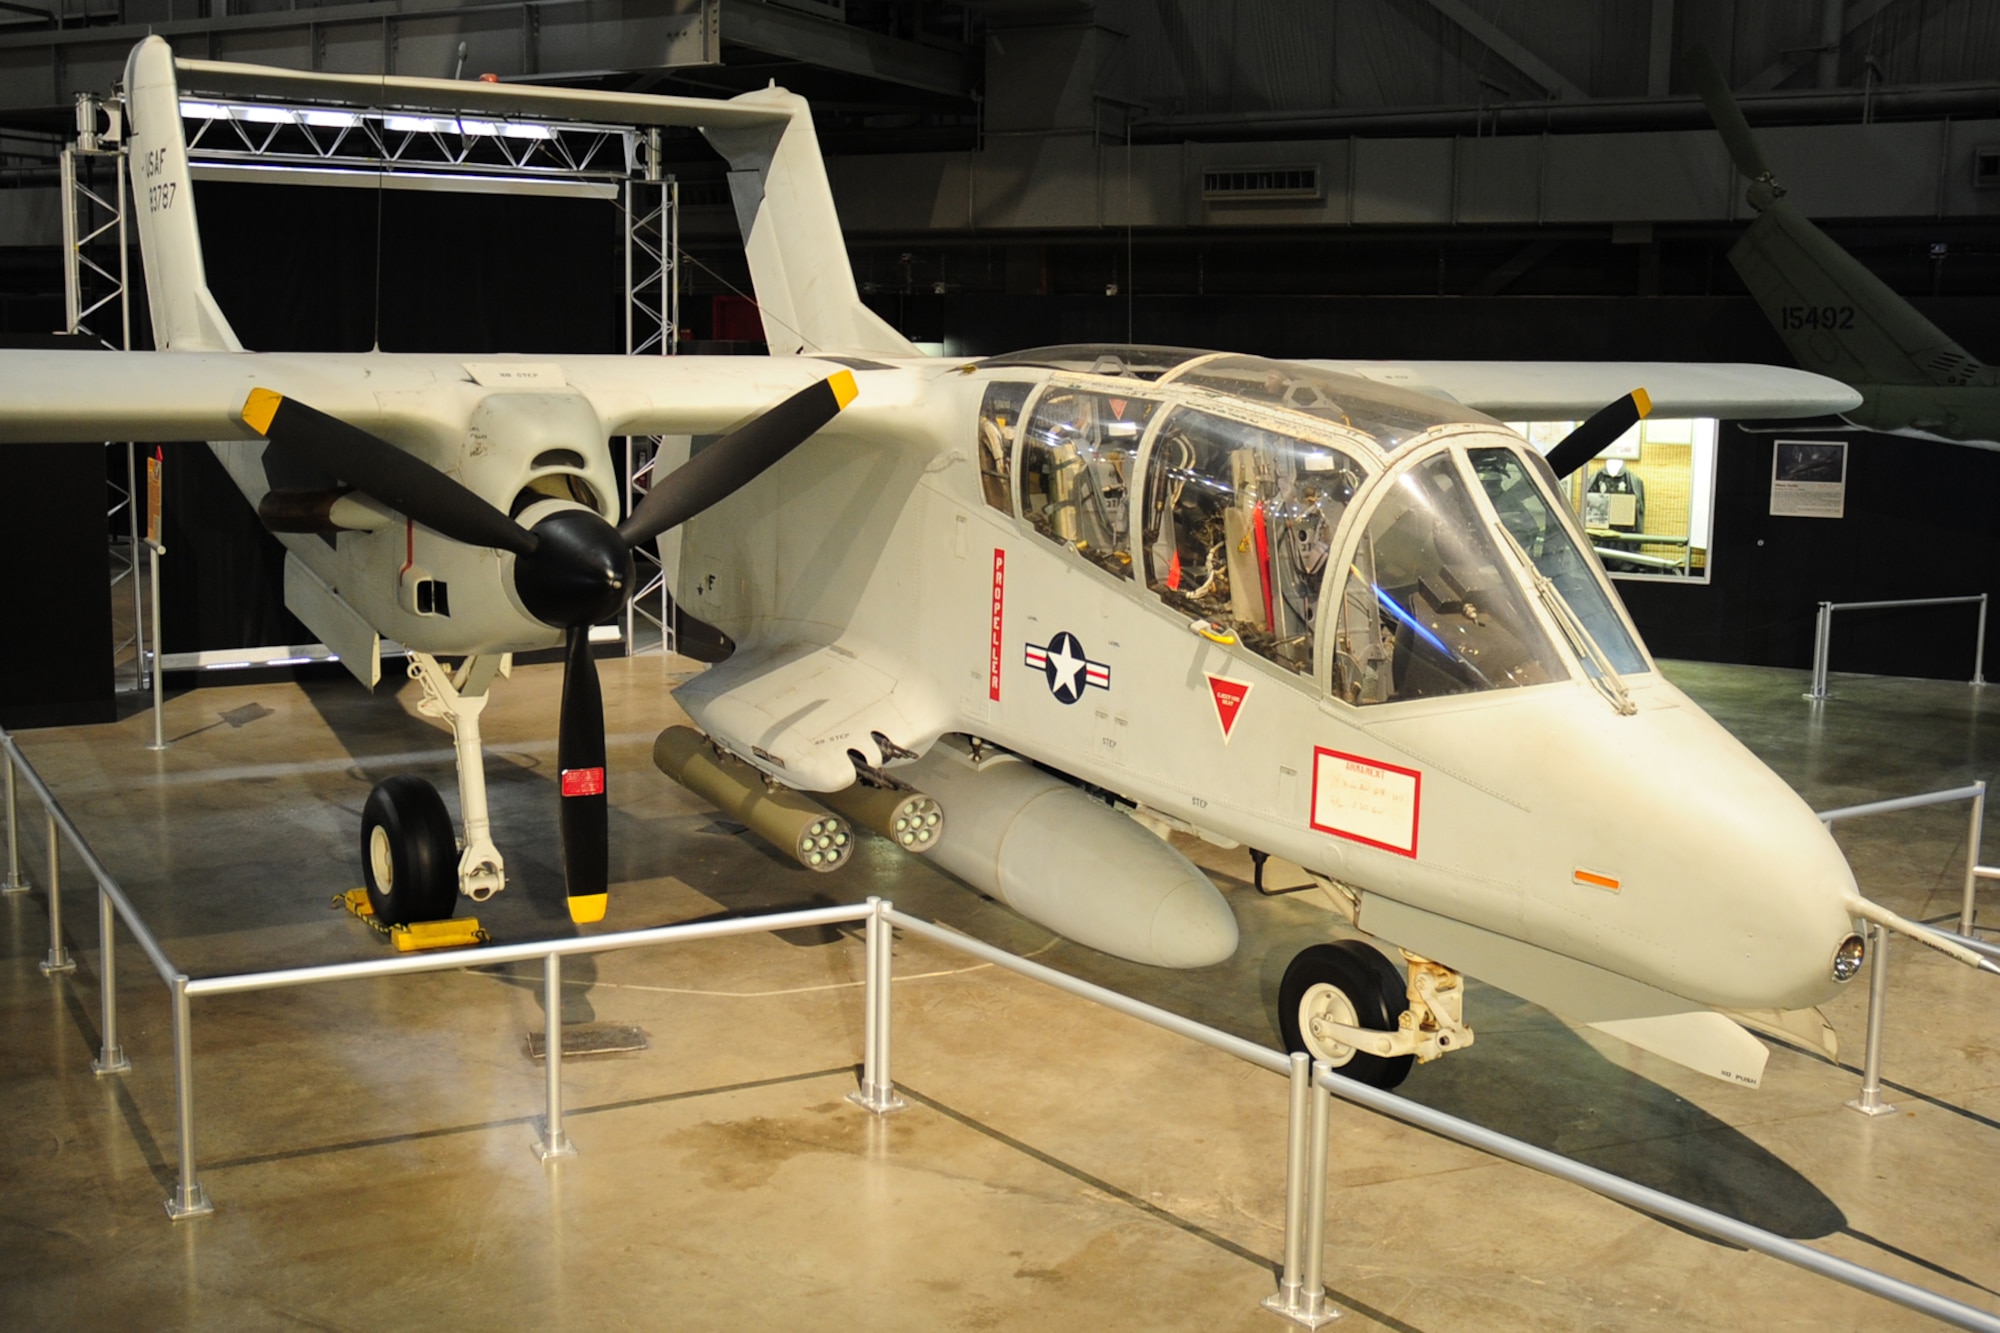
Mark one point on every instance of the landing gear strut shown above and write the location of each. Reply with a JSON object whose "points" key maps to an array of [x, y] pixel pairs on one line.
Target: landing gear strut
{"points": [[458, 697]]}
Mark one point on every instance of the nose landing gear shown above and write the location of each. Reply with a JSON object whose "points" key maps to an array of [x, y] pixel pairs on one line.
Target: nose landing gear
{"points": [[409, 858]]}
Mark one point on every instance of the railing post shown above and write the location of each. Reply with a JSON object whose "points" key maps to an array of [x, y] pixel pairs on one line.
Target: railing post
{"points": [[554, 1143], [878, 1089], [1822, 647], [1979, 647], [1286, 1301], [58, 960], [14, 883], [159, 741], [1870, 1101], [1301, 1295], [1974, 834], [189, 1199], [110, 1055]]}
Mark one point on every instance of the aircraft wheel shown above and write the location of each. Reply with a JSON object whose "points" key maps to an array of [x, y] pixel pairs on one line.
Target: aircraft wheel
{"points": [[409, 858], [1351, 983]]}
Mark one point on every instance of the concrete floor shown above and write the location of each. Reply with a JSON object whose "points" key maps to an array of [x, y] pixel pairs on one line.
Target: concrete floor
{"points": [[369, 1145]]}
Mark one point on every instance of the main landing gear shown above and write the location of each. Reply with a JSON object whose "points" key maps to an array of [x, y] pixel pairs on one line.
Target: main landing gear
{"points": [[414, 868], [1346, 1004]]}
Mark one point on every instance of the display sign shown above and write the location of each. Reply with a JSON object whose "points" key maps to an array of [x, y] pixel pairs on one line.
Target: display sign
{"points": [[1366, 800], [1809, 478]]}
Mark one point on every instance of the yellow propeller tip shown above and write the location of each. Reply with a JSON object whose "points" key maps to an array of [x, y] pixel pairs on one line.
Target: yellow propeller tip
{"points": [[843, 386], [261, 407], [585, 908], [1642, 401]]}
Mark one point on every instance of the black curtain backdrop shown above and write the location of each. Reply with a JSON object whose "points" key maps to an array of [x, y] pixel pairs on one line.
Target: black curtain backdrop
{"points": [[299, 268]]}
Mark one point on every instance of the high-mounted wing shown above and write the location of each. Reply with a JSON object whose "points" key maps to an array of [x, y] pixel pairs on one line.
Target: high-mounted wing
{"points": [[1572, 390], [94, 396]]}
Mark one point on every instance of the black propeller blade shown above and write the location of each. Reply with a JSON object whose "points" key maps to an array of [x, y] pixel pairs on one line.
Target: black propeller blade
{"points": [[400, 480], [571, 571], [585, 809], [1594, 436], [737, 458]]}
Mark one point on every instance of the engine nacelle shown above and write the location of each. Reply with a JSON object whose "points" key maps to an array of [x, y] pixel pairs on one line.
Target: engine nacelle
{"points": [[1072, 863]]}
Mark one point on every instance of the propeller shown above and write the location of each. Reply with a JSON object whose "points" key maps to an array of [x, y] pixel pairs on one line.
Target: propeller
{"points": [[571, 570], [1744, 150], [1594, 436]]}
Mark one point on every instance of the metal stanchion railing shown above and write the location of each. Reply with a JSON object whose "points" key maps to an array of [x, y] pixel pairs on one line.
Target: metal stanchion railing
{"points": [[110, 1055], [878, 1088], [1304, 1255], [189, 1198], [554, 1143], [159, 742], [58, 960], [1870, 1101], [1634, 1195], [14, 883], [1823, 634], [1301, 1295]]}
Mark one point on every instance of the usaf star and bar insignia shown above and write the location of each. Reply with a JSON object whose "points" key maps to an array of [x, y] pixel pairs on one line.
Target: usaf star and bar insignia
{"points": [[1067, 667]]}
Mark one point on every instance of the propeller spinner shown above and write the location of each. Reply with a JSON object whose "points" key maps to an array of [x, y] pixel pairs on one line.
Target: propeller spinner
{"points": [[571, 570]]}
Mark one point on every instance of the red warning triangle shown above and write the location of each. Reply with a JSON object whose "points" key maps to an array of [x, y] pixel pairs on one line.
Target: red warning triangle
{"points": [[1118, 407], [1229, 696]]}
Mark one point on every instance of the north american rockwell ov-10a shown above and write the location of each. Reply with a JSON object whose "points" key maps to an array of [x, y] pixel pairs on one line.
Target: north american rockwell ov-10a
{"points": [[1028, 613]]}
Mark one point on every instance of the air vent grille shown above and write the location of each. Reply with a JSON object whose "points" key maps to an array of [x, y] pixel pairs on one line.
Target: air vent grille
{"points": [[1248, 185]]}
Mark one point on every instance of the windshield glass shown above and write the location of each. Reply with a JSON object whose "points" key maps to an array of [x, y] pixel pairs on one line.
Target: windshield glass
{"points": [[1429, 607], [1240, 524], [1391, 416], [1527, 511]]}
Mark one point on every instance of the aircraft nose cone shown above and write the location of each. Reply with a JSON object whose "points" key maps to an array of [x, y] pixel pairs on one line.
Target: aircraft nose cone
{"points": [[579, 575]]}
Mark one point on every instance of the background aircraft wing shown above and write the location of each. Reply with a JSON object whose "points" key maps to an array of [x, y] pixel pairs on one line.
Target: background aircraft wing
{"points": [[57, 396], [1572, 390]]}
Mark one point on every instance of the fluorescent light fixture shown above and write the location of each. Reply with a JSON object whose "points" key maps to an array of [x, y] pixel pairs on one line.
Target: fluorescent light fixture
{"points": [[204, 110], [264, 115], [420, 124], [330, 120]]}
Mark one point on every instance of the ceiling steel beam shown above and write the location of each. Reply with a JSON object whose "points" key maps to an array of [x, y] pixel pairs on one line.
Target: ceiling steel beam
{"points": [[791, 35], [788, 34], [1768, 78], [1500, 44]]}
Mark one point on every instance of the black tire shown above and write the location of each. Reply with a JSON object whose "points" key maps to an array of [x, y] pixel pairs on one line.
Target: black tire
{"points": [[1349, 972], [409, 858]]}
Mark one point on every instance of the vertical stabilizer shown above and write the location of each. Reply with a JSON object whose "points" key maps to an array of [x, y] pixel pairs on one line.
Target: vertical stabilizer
{"points": [[791, 234], [185, 315]]}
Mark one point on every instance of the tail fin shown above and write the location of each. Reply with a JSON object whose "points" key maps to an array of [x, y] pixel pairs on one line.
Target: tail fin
{"points": [[185, 315], [1837, 317], [791, 234]]}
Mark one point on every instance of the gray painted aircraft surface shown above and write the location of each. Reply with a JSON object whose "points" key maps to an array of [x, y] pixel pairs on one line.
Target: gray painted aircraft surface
{"points": [[1839, 319], [1028, 614]]}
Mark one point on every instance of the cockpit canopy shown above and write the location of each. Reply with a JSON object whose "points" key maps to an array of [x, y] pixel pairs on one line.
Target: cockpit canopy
{"points": [[1390, 545], [1388, 415]]}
